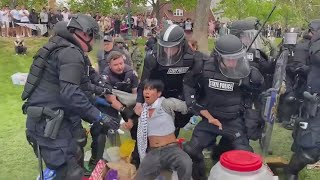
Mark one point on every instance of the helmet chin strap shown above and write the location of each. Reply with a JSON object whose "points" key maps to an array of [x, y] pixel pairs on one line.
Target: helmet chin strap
{"points": [[86, 42]]}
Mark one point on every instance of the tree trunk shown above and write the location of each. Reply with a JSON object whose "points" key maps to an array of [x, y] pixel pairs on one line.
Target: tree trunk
{"points": [[200, 30], [52, 4], [156, 7]]}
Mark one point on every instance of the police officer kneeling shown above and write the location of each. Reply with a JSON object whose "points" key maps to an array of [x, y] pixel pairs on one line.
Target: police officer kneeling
{"points": [[121, 77], [55, 102], [224, 81]]}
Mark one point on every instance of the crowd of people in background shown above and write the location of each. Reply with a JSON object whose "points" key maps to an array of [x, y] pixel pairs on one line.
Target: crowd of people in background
{"points": [[114, 25]]}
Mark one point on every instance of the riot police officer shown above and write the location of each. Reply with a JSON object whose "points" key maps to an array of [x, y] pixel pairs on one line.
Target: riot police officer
{"points": [[307, 131], [224, 81], [55, 102], [169, 62], [102, 55], [246, 30], [297, 72], [121, 77]]}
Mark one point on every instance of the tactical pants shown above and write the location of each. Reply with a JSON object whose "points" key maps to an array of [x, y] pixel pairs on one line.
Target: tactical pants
{"points": [[306, 145], [205, 134], [60, 154]]}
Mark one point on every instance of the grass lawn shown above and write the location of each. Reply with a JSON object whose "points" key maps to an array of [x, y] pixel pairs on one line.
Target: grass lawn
{"points": [[17, 160]]}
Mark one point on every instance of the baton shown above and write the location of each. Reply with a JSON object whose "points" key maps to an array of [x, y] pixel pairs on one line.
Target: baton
{"points": [[40, 162], [255, 37]]}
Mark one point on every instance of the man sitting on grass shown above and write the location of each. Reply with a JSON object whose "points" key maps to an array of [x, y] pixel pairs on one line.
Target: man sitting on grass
{"points": [[156, 126]]}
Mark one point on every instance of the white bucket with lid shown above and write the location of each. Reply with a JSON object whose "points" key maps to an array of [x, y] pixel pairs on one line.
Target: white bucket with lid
{"points": [[240, 165]]}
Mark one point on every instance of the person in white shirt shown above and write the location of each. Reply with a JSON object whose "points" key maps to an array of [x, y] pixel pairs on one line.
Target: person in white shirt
{"points": [[65, 14], [5, 21], [44, 17], [25, 19], [16, 19]]}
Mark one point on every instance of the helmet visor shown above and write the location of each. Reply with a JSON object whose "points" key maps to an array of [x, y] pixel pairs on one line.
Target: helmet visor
{"points": [[235, 66], [169, 56], [247, 37]]}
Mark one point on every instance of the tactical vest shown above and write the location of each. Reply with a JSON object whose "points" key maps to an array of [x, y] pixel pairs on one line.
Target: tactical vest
{"points": [[222, 96], [40, 63], [172, 76], [124, 84]]}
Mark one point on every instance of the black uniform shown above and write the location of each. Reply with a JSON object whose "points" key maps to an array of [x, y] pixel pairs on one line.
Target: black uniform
{"points": [[307, 133], [124, 82], [224, 98], [172, 77], [296, 71], [56, 103]]}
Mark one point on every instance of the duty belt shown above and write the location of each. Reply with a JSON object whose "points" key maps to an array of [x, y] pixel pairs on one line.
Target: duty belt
{"points": [[53, 119]]}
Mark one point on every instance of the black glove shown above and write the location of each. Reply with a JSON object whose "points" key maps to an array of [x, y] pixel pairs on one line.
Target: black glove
{"points": [[105, 88], [126, 113], [109, 122]]}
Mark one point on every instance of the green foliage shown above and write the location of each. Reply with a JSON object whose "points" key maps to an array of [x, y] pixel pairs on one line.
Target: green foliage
{"points": [[288, 12], [102, 6]]}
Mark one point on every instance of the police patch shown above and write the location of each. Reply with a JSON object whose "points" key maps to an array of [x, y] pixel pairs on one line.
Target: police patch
{"points": [[179, 70], [221, 85]]}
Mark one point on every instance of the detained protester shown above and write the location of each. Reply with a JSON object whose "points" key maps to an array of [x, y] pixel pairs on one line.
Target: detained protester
{"points": [[156, 128], [223, 83], [55, 102], [169, 62]]}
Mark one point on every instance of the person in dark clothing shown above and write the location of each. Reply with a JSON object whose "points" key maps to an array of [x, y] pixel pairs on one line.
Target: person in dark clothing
{"points": [[150, 43], [169, 62], [225, 78], [34, 19], [306, 134], [102, 55], [56, 101], [121, 77], [117, 24]]}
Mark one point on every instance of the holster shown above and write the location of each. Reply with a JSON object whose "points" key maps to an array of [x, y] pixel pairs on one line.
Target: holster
{"points": [[53, 119]]}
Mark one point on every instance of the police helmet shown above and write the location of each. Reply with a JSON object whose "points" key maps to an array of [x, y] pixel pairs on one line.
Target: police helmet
{"points": [[170, 45], [85, 24], [314, 25], [232, 57]]}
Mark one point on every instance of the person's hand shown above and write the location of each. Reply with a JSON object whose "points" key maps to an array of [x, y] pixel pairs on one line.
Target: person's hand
{"points": [[109, 122], [138, 109], [128, 125], [215, 122]]}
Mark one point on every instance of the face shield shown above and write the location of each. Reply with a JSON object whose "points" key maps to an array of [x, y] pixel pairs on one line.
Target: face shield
{"points": [[169, 55], [234, 66], [98, 43], [247, 37]]}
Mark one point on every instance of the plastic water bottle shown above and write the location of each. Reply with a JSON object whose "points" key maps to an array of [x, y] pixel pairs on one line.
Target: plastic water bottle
{"points": [[192, 123]]}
